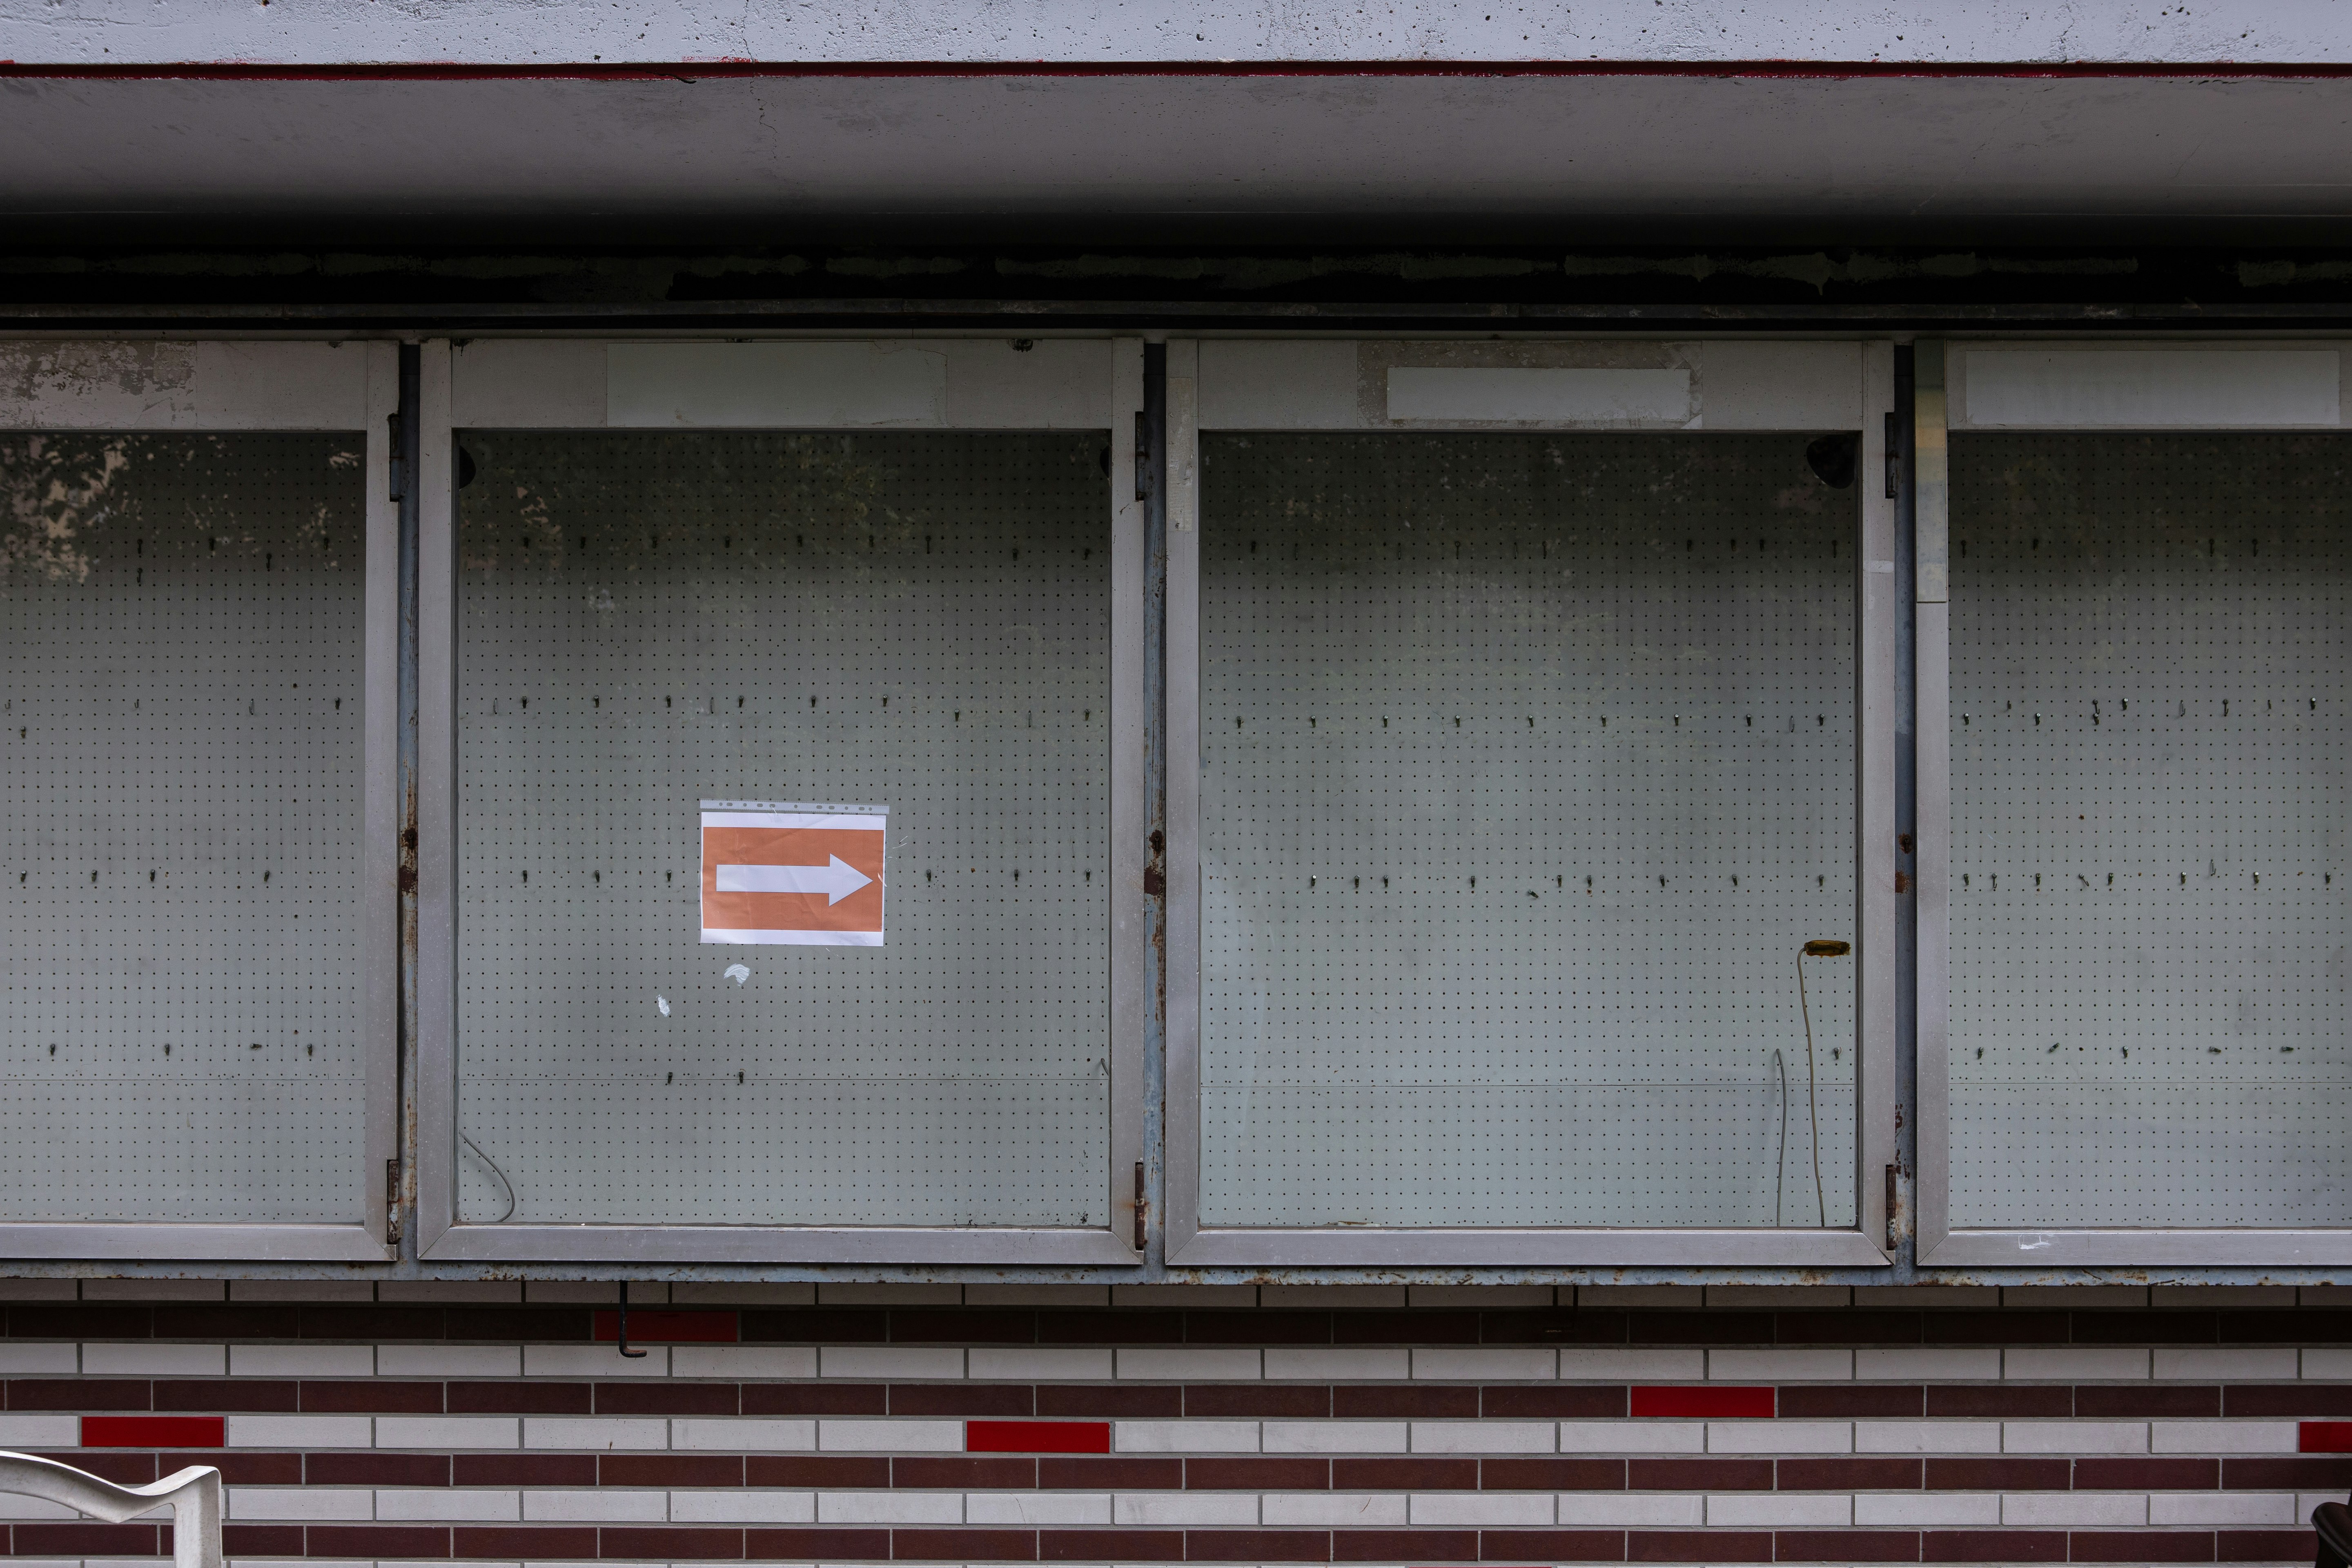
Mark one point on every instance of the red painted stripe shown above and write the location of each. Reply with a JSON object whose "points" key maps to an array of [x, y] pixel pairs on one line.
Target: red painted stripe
{"points": [[1036, 1436], [154, 1432], [2327, 1436], [669, 1328], [1720, 1403]]}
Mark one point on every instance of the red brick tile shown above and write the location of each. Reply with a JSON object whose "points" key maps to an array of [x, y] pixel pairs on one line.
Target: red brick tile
{"points": [[669, 1469], [963, 1399], [528, 1325], [672, 1542], [2140, 1546], [521, 1398], [1036, 1436], [2283, 1475], [1552, 1475], [363, 1323], [1404, 1546], [62, 1540], [1993, 1546], [239, 1394], [944, 1473], [386, 1469], [521, 1470], [78, 1394], [2134, 1474], [962, 1545], [2144, 1328], [1406, 1328], [1430, 1475], [127, 1469], [985, 1328], [369, 1397], [1431, 1401], [1714, 1403], [1272, 1475], [842, 1472], [1255, 1328], [1085, 1399], [1312, 1401], [1696, 1546], [1257, 1546], [2264, 1545], [2313, 1437], [1837, 1401], [1110, 1328], [1993, 1329], [1975, 1475], [853, 1326], [2009, 1400], [577, 1542], [656, 1398], [410, 1540], [261, 1540], [224, 1321], [1847, 1328], [1562, 1401], [1845, 1546], [815, 1399], [818, 1545], [1699, 1328], [1699, 1475], [661, 1328], [2296, 1328], [238, 1467], [1110, 1545], [1553, 1328], [153, 1432], [2287, 1399], [1068, 1473], [1591, 1546], [81, 1320], [2146, 1400], [1848, 1475]]}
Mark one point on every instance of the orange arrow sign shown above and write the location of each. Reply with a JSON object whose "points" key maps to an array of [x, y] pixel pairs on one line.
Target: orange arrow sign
{"points": [[792, 876]]}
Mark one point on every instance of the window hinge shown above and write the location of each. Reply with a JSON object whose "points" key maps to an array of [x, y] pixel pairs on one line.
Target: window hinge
{"points": [[1894, 454], [391, 1202], [1143, 1207], [398, 469], [1890, 1208], [1142, 457]]}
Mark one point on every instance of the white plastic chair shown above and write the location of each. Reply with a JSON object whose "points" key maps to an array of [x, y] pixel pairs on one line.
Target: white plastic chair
{"points": [[194, 1493]]}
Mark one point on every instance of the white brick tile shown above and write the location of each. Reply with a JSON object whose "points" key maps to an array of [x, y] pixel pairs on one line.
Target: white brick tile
{"points": [[1914, 1509], [613, 1504], [717, 1293], [30, 1357], [1632, 1509], [2203, 1363], [1780, 1366], [2072, 1298], [29, 1431], [1650, 1295], [1036, 1507], [301, 1361], [302, 1432], [997, 1363], [443, 1431], [299, 1502], [2074, 1436], [1201, 1363], [1892, 1297], [2332, 1363], [1633, 1437], [2222, 1437], [153, 1290], [1483, 1437], [890, 1295], [449, 1361], [39, 1290], [2225, 1507], [1599, 1365], [2305, 1501], [886, 1436], [593, 1293], [1497, 1510], [614, 1434], [1184, 1436], [1926, 1436], [2073, 1363], [1940, 1363], [1789, 1511], [154, 1360], [2210, 1296], [889, 1508], [2324, 1296], [13, 1508], [449, 1292], [887, 1361], [742, 1361], [1201, 1295], [755, 1506], [1036, 1295], [1496, 1297], [2090, 1509], [1345, 1297], [1184, 1508], [1337, 1363], [747, 1435], [1495, 1365], [1779, 1436], [1336, 1437], [1332, 1511], [448, 1505], [592, 1361], [1779, 1298]]}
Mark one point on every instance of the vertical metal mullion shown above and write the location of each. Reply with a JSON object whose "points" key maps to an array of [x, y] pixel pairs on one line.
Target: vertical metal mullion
{"points": [[434, 483], [1183, 758], [1907, 827], [1931, 511], [381, 965], [1131, 910], [1874, 1100]]}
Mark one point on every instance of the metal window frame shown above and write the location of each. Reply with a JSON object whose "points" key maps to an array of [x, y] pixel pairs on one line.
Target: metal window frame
{"points": [[1322, 384], [561, 383], [1941, 408], [289, 385]]}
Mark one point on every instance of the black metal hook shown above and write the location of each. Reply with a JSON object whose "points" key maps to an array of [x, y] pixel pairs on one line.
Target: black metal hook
{"points": [[633, 1355]]}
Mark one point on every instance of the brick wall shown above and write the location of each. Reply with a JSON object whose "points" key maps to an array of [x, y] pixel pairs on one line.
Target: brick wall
{"points": [[404, 1423]]}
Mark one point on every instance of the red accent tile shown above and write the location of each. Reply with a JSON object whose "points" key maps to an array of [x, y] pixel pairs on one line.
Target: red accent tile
{"points": [[1561, 1401], [2144, 1328], [1404, 1546], [1257, 1546], [1974, 1475], [2154, 1399], [1847, 1329], [820, 1545], [952, 1473], [1255, 1328], [87, 1539], [855, 1326], [1036, 1436], [964, 1545], [238, 1467], [984, 1328], [129, 1469], [154, 1431], [1696, 1546], [261, 1540], [1993, 1546], [1404, 1475], [1699, 1475], [1093, 1475], [225, 1393], [1700, 1328], [1405, 1328], [1846, 1546], [1552, 1475], [658, 1398], [1848, 1475], [1085, 1399], [1582, 1546], [658, 1328], [1110, 1328], [383, 1469], [1310, 1401], [1717, 1404], [75, 1394], [669, 1469], [1993, 1329], [513, 1540], [2001, 1400], [412, 1541], [1431, 1401], [1110, 1545], [521, 1470], [1837, 1401], [2282, 1475], [671, 1543], [2264, 1545], [838, 1471], [521, 1398], [815, 1399], [355, 1398], [1271, 1475], [2287, 1399], [1553, 1328], [961, 1399], [2140, 1546], [2324, 1438]]}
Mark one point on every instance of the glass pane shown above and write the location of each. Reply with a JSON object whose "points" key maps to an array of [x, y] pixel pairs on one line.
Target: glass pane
{"points": [[1528, 769], [916, 621], [2148, 811], [180, 802]]}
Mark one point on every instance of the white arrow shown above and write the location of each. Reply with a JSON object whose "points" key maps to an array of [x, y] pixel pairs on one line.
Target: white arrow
{"points": [[835, 881]]}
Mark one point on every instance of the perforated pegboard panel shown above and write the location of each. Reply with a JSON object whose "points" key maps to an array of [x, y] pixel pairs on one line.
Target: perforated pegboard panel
{"points": [[2148, 678], [180, 812], [914, 620], [1527, 766]]}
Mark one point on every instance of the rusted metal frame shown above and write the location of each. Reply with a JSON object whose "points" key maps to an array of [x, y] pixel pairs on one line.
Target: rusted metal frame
{"points": [[1137, 812], [1181, 1082], [1904, 1185], [1875, 783], [434, 1105], [1931, 531]]}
